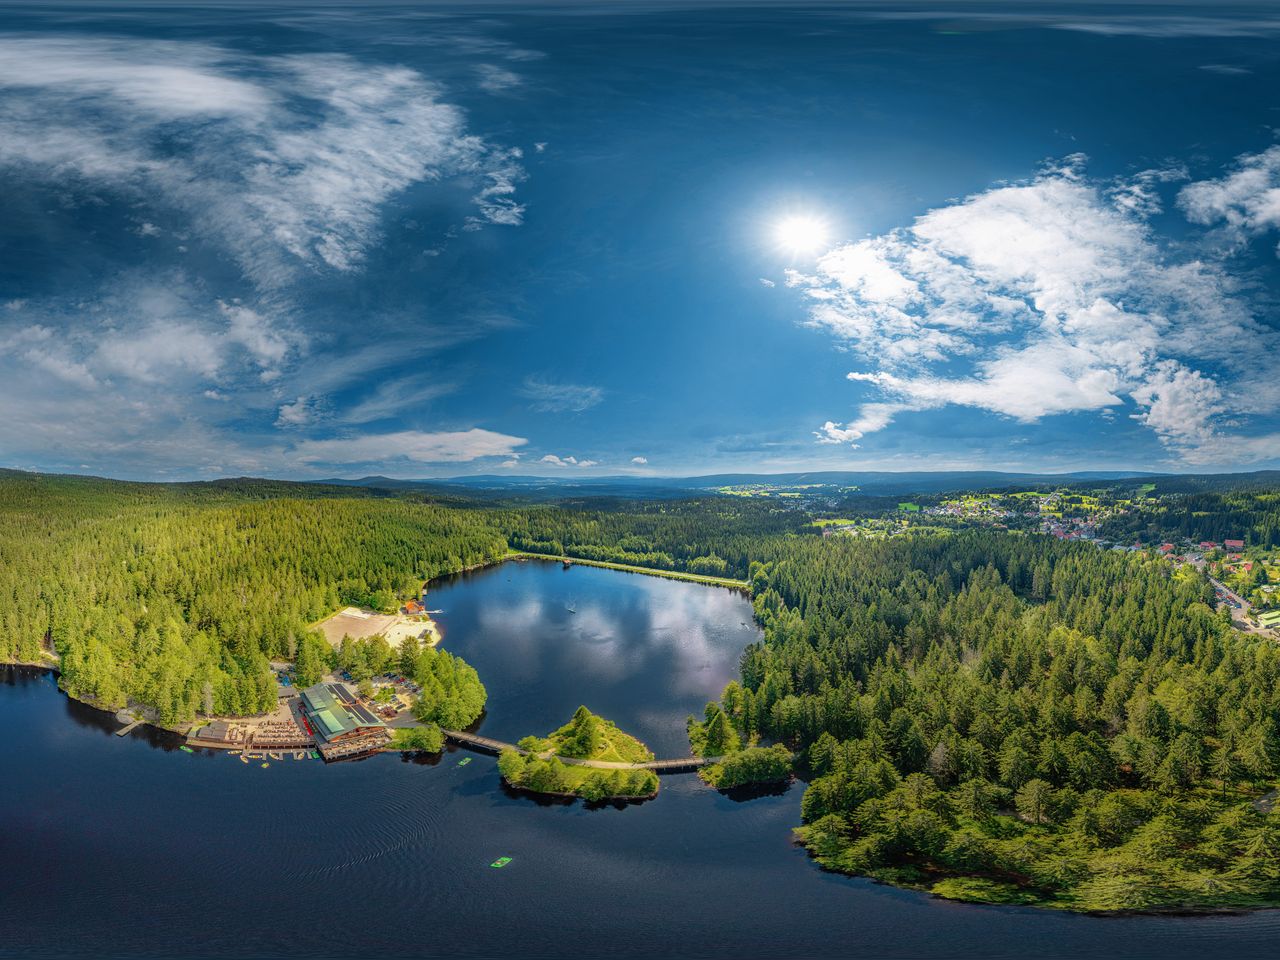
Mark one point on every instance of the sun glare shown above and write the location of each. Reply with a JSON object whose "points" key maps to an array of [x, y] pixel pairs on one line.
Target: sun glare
{"points": [[802, 234]]}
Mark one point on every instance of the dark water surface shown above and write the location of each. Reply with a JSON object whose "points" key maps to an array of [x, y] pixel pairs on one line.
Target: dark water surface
{"points": [[127, 846]]}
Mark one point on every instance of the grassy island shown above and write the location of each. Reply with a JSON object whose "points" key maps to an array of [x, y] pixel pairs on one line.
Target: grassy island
{"points": [[584, 758]]}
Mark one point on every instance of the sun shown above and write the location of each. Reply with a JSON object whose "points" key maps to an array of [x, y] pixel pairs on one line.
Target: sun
{"points": [[802, 234]]}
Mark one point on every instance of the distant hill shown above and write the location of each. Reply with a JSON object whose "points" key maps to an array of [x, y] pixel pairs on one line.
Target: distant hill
{"points": [[488, 487], [872, 483]]}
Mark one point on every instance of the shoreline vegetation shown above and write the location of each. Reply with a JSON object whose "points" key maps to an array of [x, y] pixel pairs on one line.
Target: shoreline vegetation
{"points": [[732, 765], [538, 765], [631, 568]]}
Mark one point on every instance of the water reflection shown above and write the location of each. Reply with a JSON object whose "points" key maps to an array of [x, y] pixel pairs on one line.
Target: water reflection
{"points": [[643, 651]]}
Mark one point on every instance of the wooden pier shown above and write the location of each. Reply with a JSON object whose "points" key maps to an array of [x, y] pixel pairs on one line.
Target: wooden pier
{"points": [[676, 765], [123, 731]]}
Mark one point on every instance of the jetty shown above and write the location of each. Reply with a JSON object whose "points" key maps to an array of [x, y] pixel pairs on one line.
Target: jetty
{"points": [[489, 745], [129, 721]]}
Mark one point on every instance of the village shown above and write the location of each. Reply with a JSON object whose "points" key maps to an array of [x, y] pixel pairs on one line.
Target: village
{"points": [[1246, 580], [337, 718]]}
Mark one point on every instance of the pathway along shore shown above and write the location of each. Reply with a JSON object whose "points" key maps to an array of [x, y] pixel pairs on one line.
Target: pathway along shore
{"points": [[677, 765]]}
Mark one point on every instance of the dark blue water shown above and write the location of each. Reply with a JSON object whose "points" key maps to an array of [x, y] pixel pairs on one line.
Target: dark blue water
{"points": [[127, 846]]}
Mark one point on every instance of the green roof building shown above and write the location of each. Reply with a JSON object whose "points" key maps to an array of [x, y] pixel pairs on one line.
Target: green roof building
{"points": [[342, 726]]}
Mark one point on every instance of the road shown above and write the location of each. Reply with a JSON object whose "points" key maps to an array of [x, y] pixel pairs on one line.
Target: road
{"points": [[1238, 613]]}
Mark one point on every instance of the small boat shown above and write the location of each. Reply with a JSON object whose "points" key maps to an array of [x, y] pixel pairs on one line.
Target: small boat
{"points": [[500, 863], [314, 755], [185, 749], [265, 765], [234, 753], [244, 759], [464, 761]]}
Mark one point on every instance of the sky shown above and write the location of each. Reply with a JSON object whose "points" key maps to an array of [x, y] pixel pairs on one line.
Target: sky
{"points": [[421, 240]]}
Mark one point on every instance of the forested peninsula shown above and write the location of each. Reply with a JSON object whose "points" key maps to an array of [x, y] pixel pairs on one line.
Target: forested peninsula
{"points": [[985, 714]]}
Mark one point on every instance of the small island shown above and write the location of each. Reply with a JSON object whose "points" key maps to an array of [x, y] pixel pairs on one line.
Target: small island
{"points": [[588, 757]]}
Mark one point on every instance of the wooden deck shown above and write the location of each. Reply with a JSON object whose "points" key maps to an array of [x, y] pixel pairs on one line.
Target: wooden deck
{"points": [[675, 765]]}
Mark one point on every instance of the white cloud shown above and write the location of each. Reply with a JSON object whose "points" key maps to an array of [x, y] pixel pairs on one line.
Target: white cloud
{"points": [[271, 171], [497, 80], [460, 446], [284, 162], [552, 460], [550, 397], [1036, 299], [640, 461], [1244, 202], [299, 413], [394, 398]]}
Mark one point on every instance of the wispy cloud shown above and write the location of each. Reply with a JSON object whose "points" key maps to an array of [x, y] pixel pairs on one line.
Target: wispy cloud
{"points": [[460, 446], [284, 162], [497, 80], [549, 397], [248, 177]]}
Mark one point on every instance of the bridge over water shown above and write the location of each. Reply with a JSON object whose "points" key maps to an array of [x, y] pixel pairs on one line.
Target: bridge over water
{"points": [[676, 765]]}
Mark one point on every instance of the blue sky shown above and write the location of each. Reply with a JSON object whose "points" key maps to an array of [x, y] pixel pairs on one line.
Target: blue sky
{"points": [[418, 240]]}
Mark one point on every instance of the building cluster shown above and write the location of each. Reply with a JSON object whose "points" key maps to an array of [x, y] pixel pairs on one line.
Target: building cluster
{"points": [[326, 718], [341, 725]]}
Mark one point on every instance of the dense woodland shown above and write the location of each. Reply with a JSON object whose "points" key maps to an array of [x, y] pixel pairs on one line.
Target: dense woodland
{"points": [[1252, 516], [177, 597], [1010, 717], [991, 715]]}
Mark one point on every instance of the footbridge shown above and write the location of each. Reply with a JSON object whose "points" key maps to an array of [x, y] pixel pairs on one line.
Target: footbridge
{"points": [[489, 745]]}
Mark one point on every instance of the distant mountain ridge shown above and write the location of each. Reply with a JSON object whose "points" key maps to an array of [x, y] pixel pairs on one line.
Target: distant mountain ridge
{"points": [[872, 483], [844, 483]]}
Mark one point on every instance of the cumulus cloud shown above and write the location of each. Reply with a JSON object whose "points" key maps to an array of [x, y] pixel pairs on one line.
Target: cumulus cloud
{"points": [[1244, 203], [551, 397], [552, 460], [1035, 299], [301, 412], [640, 461]]}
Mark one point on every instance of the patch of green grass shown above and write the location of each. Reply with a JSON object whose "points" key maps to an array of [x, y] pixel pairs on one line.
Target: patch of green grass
{"points": [[977, 890]]}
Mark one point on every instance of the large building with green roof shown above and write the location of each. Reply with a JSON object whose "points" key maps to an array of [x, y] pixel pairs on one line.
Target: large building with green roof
{"points": [[342, 726]]}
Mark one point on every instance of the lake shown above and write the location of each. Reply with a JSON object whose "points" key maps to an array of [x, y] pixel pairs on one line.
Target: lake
{"points": [[128, 846]]}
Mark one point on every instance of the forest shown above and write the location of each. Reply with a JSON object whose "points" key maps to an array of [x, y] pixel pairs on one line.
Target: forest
{"points": [[990, 715], [1016, 719], [176, 597], [1250, 515]]}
